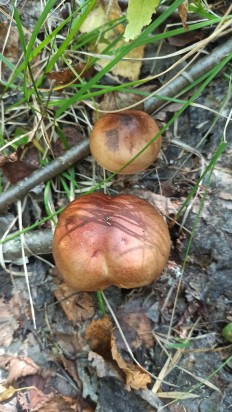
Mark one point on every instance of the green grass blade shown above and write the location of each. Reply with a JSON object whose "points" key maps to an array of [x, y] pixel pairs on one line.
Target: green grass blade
{"points": [[77, 23], [125, 50]]}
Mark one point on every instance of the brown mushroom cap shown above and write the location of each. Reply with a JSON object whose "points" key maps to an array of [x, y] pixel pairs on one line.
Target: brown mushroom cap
{"points": [[101, 241], [117, 137]]}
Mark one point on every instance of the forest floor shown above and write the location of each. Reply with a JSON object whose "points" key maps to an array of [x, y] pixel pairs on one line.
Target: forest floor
{"points": [[57, 351]]}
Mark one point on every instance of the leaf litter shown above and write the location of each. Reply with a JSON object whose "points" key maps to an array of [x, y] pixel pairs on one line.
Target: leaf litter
{"points": [[67, 341]]}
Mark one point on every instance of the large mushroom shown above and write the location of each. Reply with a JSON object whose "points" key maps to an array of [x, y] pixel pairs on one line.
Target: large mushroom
{"points": [[117, 137], [101, 241]]}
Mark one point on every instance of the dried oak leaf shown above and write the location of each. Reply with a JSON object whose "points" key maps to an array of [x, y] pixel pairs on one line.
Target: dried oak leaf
{"points": [[78, 307], [18, 366], [67, 76], [136, 377], [55, 402]]}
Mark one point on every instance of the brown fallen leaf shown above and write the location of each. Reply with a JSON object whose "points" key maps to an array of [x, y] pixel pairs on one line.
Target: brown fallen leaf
{"points": [[78, 307], [18, 367], [165, 205], [67, 76], [70, 367], [72, 136], [20, 164], [98, 335], [183, 13], [136, 327], [185, 38], [18, 170], [136, 378], [70, 344], [224, 195], [11, 50], [117, 101], [38, 401], [104, 368]]}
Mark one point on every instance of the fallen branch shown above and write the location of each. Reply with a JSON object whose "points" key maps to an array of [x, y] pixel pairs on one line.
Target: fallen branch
{"points": [[20, 189], [37, 242], [12, 249], [176, 86]]}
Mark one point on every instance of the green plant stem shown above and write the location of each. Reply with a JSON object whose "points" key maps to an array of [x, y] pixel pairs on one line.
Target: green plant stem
{"points": [[101, 302]]}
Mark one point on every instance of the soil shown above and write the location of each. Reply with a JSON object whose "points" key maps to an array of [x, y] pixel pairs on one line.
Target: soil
{"points": [[173, 327]]}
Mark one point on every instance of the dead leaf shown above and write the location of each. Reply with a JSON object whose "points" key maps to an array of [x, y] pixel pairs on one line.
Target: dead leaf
{"points": [[7, 393], [136, 378], [34, 399], [225, 195], [127, 69], [103, 367], [100, 14], [183, 13], [8, 324], [117, 101], [113, 11], [54, 402], [78, 307], [18, 366], [182, 39], [70, 367], [72, 136], [97, 17], [164, 205], [18, 170], [11, 50], [70, 344], [20, 164], [136, 326], [98, 335], [67, 76]]}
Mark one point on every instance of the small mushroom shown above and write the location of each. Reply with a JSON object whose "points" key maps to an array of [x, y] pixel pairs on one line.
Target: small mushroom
{"points": [[117, 137], [101, 241]]}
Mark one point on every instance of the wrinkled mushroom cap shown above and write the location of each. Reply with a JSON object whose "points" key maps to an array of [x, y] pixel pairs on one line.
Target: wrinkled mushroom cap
{"points": [[101, 241], [117, 137]]}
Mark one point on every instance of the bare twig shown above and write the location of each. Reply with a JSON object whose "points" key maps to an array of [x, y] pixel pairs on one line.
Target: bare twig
{"points": [[37, 242], [175, 87], [20, 189]]}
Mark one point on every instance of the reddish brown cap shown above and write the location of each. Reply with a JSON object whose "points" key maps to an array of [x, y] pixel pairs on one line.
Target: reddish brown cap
{"points": [[117, 137], [101, 241]]}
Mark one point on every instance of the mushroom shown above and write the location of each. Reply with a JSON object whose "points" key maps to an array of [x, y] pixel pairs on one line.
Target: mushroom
{"points": [[117, 137], [101, 241]]}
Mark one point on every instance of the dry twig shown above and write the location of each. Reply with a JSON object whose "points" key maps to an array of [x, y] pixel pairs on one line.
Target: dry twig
{"points": [[20, 189]]}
